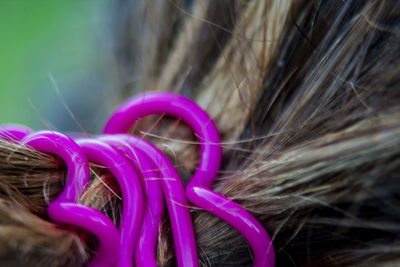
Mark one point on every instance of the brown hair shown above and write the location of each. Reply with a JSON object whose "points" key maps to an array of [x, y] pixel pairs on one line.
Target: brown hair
{"points": [[306, 97]]}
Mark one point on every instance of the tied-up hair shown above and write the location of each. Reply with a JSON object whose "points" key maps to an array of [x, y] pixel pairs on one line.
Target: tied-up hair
{"points": [[306, 95]]}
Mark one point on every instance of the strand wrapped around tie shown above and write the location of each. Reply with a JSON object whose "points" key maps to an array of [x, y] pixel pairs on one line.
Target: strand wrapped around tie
{"points": [[148, 183]]}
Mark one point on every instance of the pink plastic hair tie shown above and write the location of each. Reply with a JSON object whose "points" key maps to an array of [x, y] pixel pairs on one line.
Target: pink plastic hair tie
{"points": [[197, 190], [147, 167], [178, 207], [132, 195], [13, 132], [64, 208], [135, 147]]}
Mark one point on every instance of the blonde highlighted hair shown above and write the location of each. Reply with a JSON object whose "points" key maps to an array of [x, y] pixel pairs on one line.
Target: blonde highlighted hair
{"points": [[306, 95]]}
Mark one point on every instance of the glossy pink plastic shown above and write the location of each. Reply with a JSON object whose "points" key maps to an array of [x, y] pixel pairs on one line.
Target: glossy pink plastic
{"points": [[178, 207], [13, 132], [132, 194], [122, 120], [64, 208], [144, 159], [197, 190]]}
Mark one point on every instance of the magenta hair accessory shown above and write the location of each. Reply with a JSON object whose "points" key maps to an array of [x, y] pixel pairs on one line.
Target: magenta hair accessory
{"points": [[64, 208], [130, 158], [239, 218], [13, 132], [69, 151], [145, 162], [120, 122], [197, 190], [132, 194]]}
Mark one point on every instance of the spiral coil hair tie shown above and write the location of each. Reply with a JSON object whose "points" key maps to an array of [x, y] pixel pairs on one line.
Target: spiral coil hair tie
{"points": [[65, 209], [131, 189], [145, 159], [197, 190], [13, 132], [144, 175]]}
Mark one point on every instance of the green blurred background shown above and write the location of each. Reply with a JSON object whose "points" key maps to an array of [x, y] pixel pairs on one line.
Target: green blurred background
{"points": [[45, 39]]}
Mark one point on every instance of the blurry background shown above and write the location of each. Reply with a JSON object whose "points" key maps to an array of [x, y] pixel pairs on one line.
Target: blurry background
{"points": [[52, 52]]}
